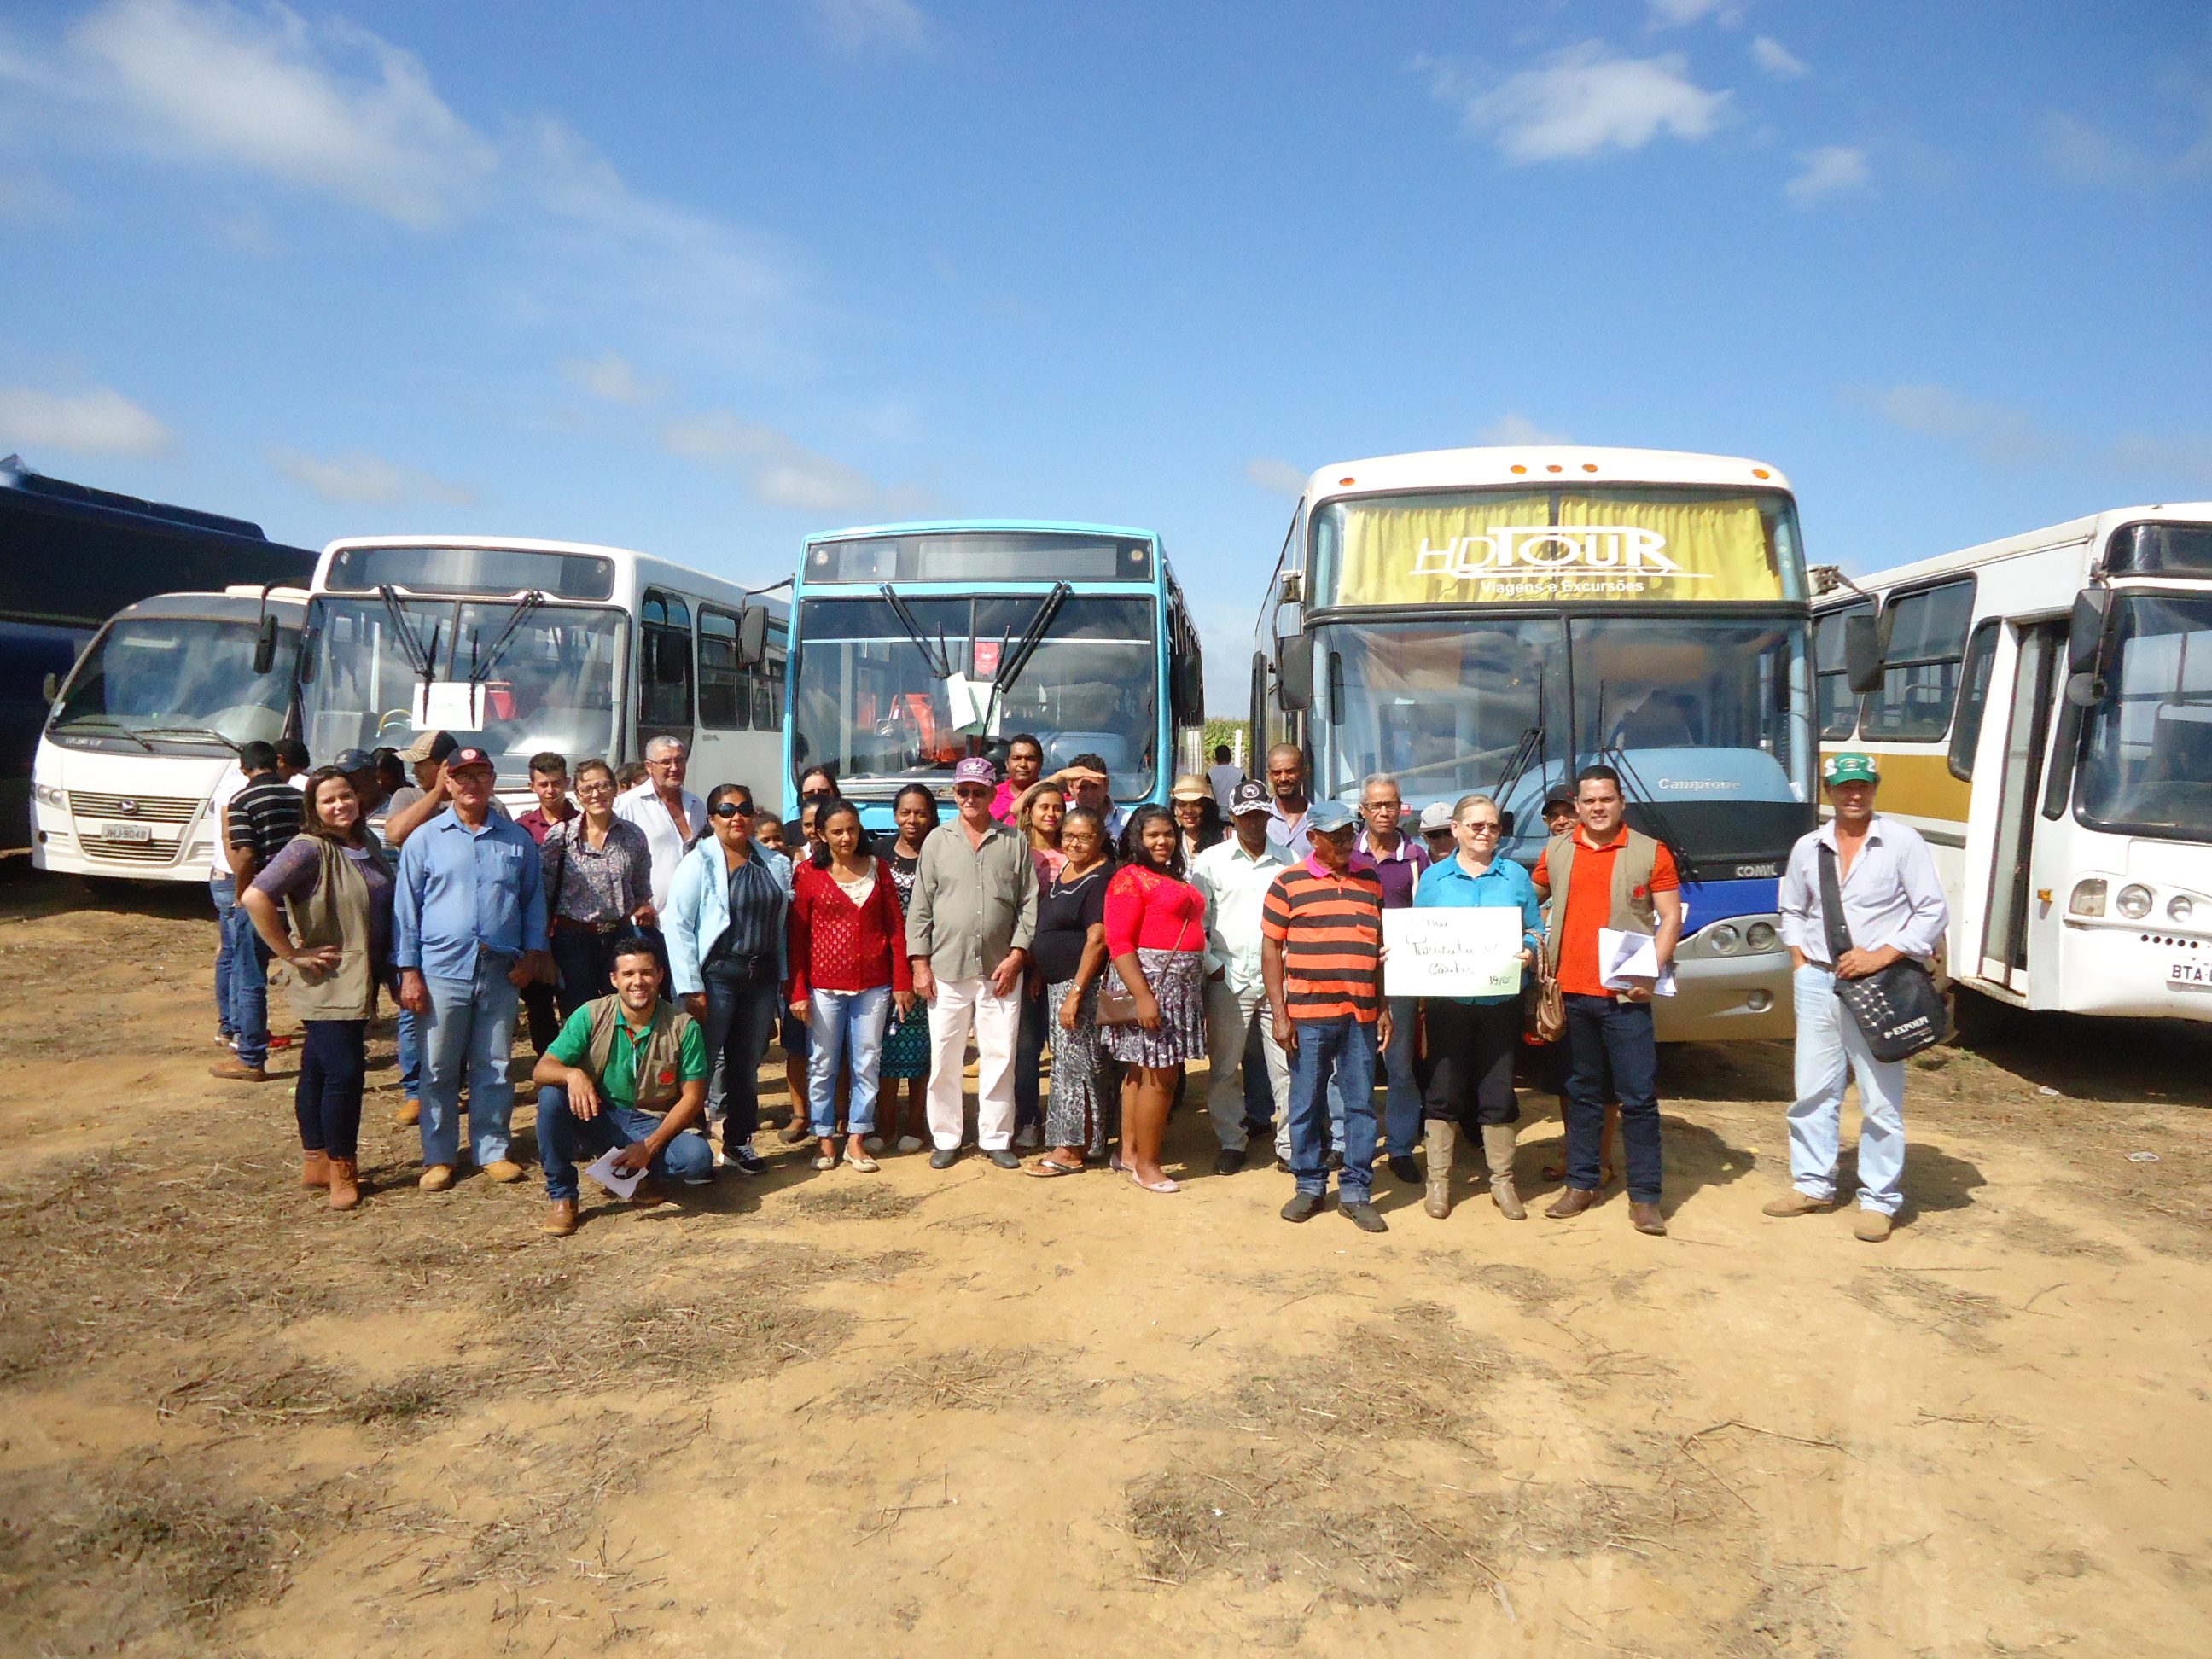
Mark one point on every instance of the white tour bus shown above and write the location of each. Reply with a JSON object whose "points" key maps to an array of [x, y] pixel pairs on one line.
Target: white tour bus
{"points": [[2042, 707], [519, 647], [150, 720]]}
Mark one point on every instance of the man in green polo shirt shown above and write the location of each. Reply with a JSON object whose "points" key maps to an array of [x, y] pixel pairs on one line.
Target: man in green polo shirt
{"points": [[628, 1074]]}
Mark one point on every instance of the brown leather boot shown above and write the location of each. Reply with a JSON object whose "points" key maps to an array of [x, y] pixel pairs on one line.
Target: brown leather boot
{"points": [[1498, 1140], [561, 1219], [1571, 1202], [1441, 1136], [345, 1183], [1646, 1219], [315, 1168], [410, 1111], [237, 1070]]}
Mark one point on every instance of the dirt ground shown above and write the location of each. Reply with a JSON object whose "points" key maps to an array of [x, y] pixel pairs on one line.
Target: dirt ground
{"points": [[969, 1412]]}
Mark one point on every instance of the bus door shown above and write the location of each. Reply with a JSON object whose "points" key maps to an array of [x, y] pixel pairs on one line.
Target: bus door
{"points": [[2042, 647], [664, 669]]}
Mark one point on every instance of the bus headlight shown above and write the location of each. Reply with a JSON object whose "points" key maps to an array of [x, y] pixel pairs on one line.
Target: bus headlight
{"points": [[1761, 936], [2180, 908], [48, 795], [2088, 898], [2134, 902], [1723, 940]]}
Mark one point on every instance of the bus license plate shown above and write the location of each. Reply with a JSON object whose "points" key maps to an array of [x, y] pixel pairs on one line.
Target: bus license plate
{"points": [[127, 832], [2190, 975]]}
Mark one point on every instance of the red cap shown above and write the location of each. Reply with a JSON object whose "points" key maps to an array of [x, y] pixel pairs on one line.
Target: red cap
{"points": [[461, 758]]}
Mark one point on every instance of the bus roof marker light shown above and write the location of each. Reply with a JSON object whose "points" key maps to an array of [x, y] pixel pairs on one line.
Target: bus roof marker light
{"points": [[1590, 466], [1516, 467], [1346, 483], [1760, 472], [1555, 467]]}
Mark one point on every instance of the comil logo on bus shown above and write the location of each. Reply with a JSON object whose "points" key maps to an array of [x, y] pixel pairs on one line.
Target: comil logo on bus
{"points": [[1550, 547]]}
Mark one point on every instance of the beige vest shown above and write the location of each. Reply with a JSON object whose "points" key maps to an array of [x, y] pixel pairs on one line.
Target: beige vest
{"points": [[336, 912], [1633, 912], [663, 1049]]}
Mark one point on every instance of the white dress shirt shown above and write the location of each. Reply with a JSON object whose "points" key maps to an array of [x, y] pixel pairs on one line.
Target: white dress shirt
{"points": [[1891, 894], [667, 844], [1234, 884]]}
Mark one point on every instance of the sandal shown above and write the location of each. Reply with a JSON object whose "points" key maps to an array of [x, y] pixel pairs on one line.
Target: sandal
{"points": [[1046, 1168], [1163, 1185]]}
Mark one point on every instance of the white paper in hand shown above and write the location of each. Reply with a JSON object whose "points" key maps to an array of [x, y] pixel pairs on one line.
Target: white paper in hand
{"points": [[1629, 962], [621, 1182]]}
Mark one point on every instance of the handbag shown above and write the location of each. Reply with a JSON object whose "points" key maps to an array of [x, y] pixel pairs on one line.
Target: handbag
{"points": [[1544, 1015], [1898, 1009], [1117, 1003]]}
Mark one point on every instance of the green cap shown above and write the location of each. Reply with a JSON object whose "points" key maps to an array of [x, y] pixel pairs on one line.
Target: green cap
{"points": [[1848, 768]]}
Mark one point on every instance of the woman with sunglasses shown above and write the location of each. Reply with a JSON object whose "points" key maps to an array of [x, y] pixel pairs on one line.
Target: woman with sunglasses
{"points": [[598, 886], [1473, 1042], [1156, 939], [906, 1039]]}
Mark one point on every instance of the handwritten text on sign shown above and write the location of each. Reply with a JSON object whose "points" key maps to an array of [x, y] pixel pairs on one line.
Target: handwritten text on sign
{"points": [[1453, 952]]}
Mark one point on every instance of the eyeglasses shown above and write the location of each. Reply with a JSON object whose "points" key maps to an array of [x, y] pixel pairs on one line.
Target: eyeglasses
{"points": [[971, 791], [730, 808], [1479, 826]]}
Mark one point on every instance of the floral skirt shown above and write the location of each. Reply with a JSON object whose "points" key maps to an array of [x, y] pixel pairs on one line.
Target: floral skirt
{"points": [[1085, 1107], [1177, 980], [906, 1043]]}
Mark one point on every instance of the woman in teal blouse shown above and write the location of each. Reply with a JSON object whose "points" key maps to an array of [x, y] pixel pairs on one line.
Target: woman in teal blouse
{"points": [[1473, 1041]]}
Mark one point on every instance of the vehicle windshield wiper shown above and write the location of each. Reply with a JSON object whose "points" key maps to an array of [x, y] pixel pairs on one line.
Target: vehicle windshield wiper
{"points": [[479, 672], [934, 656], [192, 731], [1011, 663], [108, 721]]}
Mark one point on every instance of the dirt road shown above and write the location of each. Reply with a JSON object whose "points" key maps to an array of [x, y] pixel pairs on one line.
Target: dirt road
{"points": [[968, 1413]]}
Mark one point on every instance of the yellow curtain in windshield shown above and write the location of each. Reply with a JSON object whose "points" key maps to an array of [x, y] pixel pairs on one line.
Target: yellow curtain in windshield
{"points": [[1506, 548]]}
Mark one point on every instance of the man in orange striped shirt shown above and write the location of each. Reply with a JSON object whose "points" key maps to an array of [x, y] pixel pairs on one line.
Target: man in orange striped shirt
{"points": [[1321, 954]]}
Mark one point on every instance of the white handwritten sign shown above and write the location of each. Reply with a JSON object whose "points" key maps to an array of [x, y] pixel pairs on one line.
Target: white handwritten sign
{"points": [[1454, 953]]}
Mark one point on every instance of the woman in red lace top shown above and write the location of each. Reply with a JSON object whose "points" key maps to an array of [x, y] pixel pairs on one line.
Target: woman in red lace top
{"points": [[1156, 939]]}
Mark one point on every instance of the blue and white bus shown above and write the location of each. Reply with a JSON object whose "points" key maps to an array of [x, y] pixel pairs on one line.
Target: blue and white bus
{"points": [[915, 645], [1495, 619]]}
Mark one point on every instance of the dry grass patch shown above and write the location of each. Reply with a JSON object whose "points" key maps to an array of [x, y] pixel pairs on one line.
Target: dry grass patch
{"points": [[1028, 1379]]}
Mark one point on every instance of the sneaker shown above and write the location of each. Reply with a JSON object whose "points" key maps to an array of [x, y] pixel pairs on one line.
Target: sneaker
{"points": [[946, 1157], [1403, 1167], [1793, 1202], [436, 1178], [1029, 1137], [1004, 1157], [1872, 1227], [1304, 1207], [911, 1143], [749, 1162], [1363, 1216], [1229, 1160]]}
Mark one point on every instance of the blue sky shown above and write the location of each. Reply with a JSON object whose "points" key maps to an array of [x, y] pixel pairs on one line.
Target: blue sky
{"points": [[699, 280]]}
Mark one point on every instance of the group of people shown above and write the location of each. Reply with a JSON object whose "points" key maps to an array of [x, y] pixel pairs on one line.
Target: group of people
{"points": [[669, 940]]}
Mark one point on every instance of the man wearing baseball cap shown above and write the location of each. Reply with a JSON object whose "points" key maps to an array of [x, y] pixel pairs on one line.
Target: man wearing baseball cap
{"points": [[968, 926], [1234, 874], [1436, 831], [468, 932], [413, 807], [1894, 907]]}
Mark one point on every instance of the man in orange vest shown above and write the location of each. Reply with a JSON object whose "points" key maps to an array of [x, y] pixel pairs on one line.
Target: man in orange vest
{"points": [[1603, 874]]}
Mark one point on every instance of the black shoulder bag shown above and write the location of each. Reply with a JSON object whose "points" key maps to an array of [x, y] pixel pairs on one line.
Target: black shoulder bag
{"points": [[1898, 1009]]}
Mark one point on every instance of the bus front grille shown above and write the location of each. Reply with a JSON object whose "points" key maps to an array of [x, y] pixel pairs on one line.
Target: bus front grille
{"points": [[134, 809], [128, 852]]}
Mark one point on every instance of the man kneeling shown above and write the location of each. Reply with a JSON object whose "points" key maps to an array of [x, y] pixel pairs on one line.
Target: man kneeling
{"points": [[627, 1071]]}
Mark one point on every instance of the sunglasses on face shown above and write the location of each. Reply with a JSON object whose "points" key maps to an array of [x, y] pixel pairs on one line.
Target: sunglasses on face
{"points": [[1480, 828], [730, 808]]}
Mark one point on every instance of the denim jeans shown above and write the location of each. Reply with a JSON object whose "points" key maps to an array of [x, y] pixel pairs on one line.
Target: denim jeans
{"points": [[1402, 1111], [333, 1064], [1830, 1046], [1029, 1062], [842, 1025], [1332, 1049], [222, 891], [742, 1014], [249, 989], [1335, 1115], [1604, 1036], [565, 1139], [410, 1042], [468, 1035]]}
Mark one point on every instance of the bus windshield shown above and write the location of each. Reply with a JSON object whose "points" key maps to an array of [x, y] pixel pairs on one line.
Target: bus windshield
{"points": [[179, 678], [548, 675], [2147, 763], [1695, 713], [877, 702]]}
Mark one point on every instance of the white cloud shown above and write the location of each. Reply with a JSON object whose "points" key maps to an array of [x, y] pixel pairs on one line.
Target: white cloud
{"points": [[2084, 155], [1776, 59], [99, 422], [259, 91], [1675, 13], [855, 24], [1585, 99], [2006, 438], [1831, 170], [1514, 428], [359, 479], [1278, 476], [612, 378], [780, 471]]}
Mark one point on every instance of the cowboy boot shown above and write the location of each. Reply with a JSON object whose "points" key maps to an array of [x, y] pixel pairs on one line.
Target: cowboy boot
{"points": [[315, 1168], [345, 1183], [1498, 1146], [1442, 1136]]}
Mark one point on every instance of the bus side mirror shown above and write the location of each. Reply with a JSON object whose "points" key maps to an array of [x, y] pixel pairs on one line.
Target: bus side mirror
{"points": [[1863, 654], [2085, 630], [2084, 691], [1294, 673], [752, 635], [53, 687], [265, 649]]}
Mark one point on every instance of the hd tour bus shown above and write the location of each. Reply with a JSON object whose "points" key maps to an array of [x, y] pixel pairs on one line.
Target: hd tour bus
{"points": [[2042, 707], [518, 646], [1495, 619], [915, 645]]}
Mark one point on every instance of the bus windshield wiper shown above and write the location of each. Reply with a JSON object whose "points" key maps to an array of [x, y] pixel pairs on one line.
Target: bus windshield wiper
{"points": [[481, 671], [934, 656], [193, 732], [108, 721], [1011, 663]]}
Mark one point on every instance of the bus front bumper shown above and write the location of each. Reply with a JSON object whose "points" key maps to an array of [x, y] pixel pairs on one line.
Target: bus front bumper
{"points": [[2142, 973], [1728, 999]]}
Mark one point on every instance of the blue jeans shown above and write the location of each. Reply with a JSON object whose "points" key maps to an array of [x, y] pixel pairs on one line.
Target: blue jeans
{"points": [[1606, 1036], [249, 989], [1342, 1048], [1401, 1110], [839, 1023], [223, 890], [742, 1015], [410, 1056], [564, 1139], [1829, 1046], [468, 1033], [327, 1100]]}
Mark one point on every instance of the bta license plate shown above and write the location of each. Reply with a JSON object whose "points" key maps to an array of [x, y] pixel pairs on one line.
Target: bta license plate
{"points": [[2190, 975], [127, 832]]}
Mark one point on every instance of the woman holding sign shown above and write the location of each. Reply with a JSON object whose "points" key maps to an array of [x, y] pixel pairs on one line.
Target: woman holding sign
{"points": [[1473, 1040]]}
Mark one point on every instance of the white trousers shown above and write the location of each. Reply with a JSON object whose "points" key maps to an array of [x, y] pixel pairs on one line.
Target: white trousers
{"points": [[1229, 1018], [962, 1005]]}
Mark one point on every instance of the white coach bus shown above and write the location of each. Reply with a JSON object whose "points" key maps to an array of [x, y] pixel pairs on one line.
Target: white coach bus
{"points": [[518, 646], [2042, 706]]}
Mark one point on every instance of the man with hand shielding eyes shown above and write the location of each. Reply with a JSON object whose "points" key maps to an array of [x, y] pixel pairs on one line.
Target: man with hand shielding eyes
{"points": [[968, 928]]}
